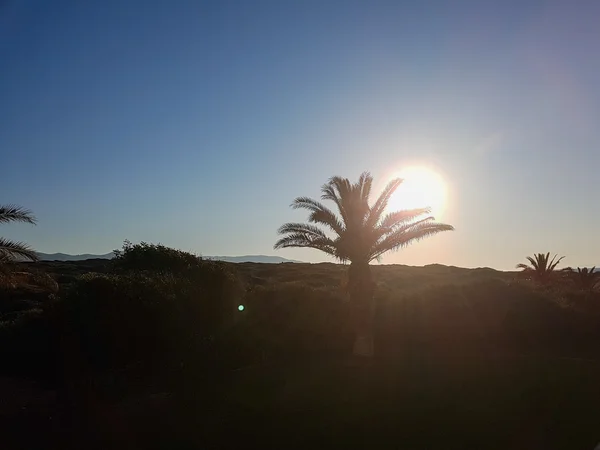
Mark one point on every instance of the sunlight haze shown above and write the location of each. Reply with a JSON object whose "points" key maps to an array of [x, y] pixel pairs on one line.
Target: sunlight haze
{"points": [[420, 187]]}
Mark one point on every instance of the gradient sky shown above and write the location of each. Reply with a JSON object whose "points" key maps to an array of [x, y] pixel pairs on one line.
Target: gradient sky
{"points": [[195, 124]]}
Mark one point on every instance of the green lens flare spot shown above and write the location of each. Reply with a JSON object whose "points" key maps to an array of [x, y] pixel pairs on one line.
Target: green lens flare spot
{"points": [[241, 307]]}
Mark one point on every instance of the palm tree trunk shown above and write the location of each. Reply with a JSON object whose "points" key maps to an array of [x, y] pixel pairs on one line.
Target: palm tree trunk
{"points": [[362, 289]]}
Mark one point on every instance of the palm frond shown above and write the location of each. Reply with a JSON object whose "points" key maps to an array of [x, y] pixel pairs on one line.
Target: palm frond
{"points": [[11, 250], [401, 237], [329, 192], [382, 232], [381, 203], [554, 263], [319, 213], [534, 261], [301, 228], [364, 186], [305, 240], [337, 189], [347, 196], [342, 185], [327, 218], [543, 269], [14, 213], [307, 203], [585, 278], [402, 217]]}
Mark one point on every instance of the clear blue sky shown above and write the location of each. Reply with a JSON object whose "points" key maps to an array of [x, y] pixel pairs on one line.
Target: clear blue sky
{"points": [[195, 124]]}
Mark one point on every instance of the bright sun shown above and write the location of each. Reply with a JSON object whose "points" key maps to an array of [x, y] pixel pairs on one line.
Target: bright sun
{"points": [[421, 187]]}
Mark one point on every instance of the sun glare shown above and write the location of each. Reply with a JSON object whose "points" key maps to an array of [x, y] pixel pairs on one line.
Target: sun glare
{"points": [[421, 187]]}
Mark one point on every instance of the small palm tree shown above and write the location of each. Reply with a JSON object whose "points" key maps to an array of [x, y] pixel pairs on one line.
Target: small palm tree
{"points": [[542, 269], [10, 250], [584, 279], [358, 233]]}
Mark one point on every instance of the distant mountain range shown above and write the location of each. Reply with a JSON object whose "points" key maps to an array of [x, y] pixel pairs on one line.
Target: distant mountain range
{"points": [[65, 257], [253, 259], [233, 259]]}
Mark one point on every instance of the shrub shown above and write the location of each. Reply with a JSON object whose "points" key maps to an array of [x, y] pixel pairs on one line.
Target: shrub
{"points": [[153, 257], [289, 320], [159, 308], [155, 319], [29, 345], [491, 314], [18, 283]]}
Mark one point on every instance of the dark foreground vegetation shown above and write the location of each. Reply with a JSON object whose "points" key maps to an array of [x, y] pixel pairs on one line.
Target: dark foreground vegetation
{"points": [[150, 350]]}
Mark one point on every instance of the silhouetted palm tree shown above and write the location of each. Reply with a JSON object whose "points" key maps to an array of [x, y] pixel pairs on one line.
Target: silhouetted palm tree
{"points": [[9, 250], [584, 279], [358, 233], [542, 269]]}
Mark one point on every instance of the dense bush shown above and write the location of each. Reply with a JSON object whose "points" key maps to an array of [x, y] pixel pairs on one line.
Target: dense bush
{"points": [[155, 318], [487, 315], [29, 346], [184, 312], [160, 308], [27, 338], [15, 283], [153, 257], [292, 320]]}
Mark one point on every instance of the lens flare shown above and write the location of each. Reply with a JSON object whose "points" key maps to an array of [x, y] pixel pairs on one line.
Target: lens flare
{"points": [[421, 187]]}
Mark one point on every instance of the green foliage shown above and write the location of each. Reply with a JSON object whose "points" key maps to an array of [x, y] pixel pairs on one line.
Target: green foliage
{"points": [[28, 343], [481, 316], [291, 320], [583, 278], [143, 317], [541, 268], [161, 319], [15, 283], [445, 336], [288, 320], [11, 250], [153, 257]]}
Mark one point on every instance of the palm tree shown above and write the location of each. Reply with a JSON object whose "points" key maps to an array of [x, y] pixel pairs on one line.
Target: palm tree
{"points": [[584, 279], [10, 250], [358, 233], [541, 268]]}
